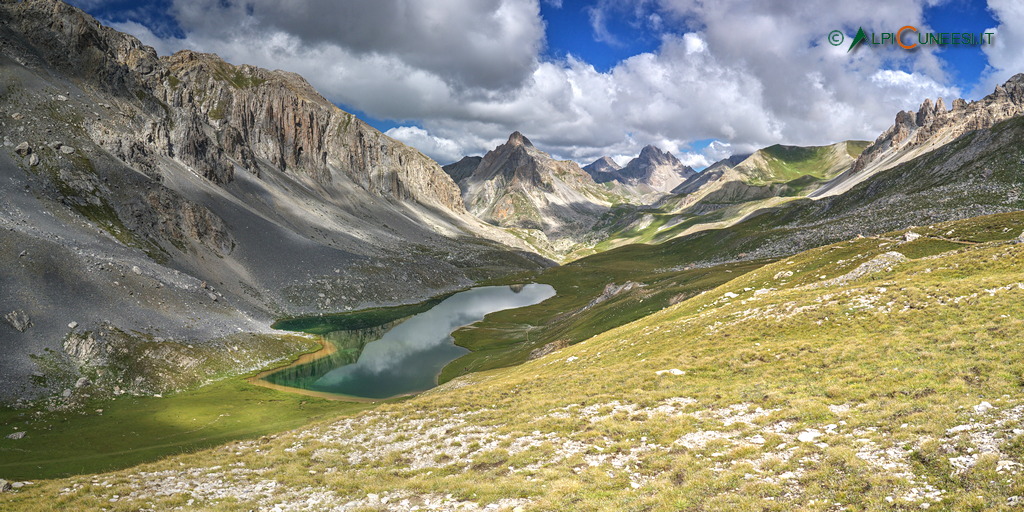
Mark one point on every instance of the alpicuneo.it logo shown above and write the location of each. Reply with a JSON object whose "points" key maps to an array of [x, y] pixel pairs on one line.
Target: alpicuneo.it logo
{"points": [[908, 38]]}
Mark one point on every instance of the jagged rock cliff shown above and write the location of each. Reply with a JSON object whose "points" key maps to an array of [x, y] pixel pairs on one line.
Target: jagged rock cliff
{"points": [[213, 116], [932, 126]]}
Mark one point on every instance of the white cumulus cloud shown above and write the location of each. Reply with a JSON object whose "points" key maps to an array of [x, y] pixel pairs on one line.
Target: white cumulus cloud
{"points": [[444, 151]]}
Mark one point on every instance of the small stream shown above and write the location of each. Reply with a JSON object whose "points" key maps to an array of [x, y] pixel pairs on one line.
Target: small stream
{"points": [[403, 356]]}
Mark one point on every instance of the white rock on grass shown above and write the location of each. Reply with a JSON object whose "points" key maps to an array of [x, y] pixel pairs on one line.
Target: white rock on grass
{"points": [[673, 371], [982, 408], [808, 436]]}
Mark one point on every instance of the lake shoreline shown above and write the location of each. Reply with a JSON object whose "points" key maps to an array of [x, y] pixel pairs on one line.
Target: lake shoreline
{"points": [[429, 335]]}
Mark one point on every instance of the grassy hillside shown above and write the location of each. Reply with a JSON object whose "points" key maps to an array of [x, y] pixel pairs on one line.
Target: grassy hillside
{"points": [[841, 378], [978, 174], [787, 163], [768, 178], [98, 433]]}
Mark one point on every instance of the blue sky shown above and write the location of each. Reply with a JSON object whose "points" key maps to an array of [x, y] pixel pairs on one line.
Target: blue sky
{"points": [[586, 79]]}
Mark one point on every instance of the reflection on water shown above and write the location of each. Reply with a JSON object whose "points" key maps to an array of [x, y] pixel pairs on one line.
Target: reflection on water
{"points": [[407, 355]]}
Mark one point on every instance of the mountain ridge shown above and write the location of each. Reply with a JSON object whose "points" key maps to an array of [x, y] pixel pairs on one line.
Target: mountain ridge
{"points": [[653, 171], [916, 133]]}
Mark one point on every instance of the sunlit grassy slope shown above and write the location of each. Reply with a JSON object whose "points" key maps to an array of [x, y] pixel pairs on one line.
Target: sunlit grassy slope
{"points": [[841, 378]]}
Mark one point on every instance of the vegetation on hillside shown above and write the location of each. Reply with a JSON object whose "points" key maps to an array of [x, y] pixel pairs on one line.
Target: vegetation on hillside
{"points": [[844, 377]]}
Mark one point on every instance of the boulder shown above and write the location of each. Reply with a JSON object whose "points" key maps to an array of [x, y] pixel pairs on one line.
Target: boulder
{"points": [[5, 486], [19, 320], [33, 160], [16, 435], [83, 382], [23, 149], [67, 150]]}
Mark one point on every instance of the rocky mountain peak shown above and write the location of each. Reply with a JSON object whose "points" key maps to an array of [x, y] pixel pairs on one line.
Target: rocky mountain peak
{"points": [[518, 139], [652, 153], [653, 169], [658, 169], [602, 166], [517, 185]]}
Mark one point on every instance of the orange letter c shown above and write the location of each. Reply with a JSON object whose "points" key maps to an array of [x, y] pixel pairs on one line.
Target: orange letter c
{"points": [[899, 38]]}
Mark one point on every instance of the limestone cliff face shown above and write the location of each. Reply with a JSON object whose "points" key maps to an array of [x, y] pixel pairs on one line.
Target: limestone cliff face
{"points": [[277, 118], [914, 134], [933, 125], [212, 116]]}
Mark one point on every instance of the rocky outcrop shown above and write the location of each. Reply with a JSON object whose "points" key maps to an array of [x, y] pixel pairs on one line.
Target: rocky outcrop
{"points": [[933, 125], [182, 221], [19, 320], [547, 348]]}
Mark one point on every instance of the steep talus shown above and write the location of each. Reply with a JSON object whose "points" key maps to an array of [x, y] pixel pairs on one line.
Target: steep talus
{"points": [[180, 200]]}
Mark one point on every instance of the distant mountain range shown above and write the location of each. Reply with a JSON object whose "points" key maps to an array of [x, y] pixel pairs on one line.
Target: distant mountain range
{"points": [[652, 171]]}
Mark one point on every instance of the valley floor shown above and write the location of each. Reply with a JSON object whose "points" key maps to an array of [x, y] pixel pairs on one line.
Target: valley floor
{"points": [[873, 374]]}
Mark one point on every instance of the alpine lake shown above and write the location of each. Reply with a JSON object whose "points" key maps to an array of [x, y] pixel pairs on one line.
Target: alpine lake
{"points": [[388, 352]]}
